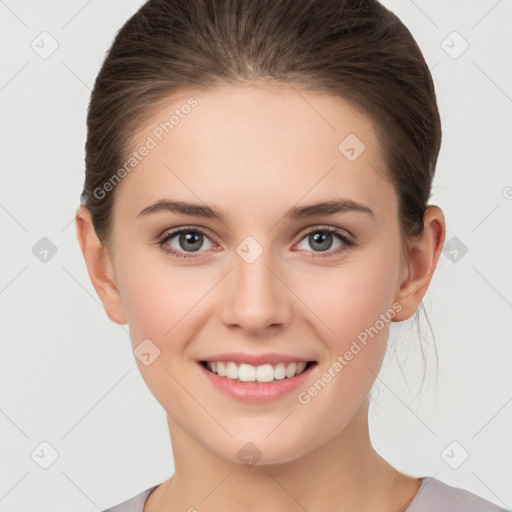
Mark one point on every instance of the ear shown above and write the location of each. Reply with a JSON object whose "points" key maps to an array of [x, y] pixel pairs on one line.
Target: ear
{"points": [[99, 266], [422, 257]]}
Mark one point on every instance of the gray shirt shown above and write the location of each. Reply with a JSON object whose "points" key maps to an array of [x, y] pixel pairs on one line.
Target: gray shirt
{"points": [[433, 496]]}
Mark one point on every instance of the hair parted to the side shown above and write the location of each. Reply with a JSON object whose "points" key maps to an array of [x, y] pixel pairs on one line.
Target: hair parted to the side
{"points": [[353, 49]]}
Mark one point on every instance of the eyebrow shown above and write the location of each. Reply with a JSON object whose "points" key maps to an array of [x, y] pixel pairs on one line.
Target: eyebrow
{"points": [[330, 207]]}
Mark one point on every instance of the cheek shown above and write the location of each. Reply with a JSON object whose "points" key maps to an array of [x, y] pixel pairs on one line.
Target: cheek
{"points": [[353, 303], [157, 295], [350, 298], [355, 311], [161, 303]]}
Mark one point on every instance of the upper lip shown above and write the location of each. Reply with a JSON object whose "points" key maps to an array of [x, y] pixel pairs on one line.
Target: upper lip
{"points": [[256, 359]]}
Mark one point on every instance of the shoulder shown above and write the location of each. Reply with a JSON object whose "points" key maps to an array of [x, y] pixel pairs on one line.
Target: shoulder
{"points": [[135, 504], [436, 496]]}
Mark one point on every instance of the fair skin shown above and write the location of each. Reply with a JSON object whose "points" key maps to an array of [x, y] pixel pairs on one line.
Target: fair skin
{"points": [[254, 152]]}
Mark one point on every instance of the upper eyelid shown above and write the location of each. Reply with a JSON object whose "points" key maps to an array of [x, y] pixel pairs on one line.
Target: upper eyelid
{"points": [[171, 233], [320, 227]]}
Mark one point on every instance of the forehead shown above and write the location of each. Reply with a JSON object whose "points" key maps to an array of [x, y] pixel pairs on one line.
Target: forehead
{"points": [[256, 148]]}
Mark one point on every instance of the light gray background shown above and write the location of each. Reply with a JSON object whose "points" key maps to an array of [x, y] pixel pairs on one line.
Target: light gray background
{"points": [[67, 373]]}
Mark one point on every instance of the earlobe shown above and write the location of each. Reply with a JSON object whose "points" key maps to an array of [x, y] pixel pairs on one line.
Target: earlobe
{"points": [[99, 266], [424, 252]]}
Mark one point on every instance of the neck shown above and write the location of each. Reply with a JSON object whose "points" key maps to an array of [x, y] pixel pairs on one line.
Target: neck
{"points": [[344, 474]]}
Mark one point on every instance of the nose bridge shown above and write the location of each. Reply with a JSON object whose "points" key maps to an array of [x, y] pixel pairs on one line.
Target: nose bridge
{"points": [[256, 298]]}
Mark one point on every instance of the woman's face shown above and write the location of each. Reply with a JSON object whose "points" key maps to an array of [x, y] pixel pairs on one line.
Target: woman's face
{"points": [[259, 280]]}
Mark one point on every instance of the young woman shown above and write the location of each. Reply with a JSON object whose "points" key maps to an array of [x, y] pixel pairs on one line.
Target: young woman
{"points": [[256, 210]]}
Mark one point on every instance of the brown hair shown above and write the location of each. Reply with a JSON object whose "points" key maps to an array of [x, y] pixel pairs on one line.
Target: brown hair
{"points": [[355, 49]]}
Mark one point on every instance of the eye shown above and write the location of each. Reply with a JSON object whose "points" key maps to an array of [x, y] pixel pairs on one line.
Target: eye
{"points": [[187, 239], [321, 239], [191, 240]]}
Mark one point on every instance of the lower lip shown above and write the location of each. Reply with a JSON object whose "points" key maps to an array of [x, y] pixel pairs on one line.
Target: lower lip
{"points": [[257, 391]]}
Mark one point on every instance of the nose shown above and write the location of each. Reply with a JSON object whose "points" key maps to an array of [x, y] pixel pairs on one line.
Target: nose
{"points": [[255, 297]]}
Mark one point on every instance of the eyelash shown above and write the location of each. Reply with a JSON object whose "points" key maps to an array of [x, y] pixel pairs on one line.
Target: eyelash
{"points": [[320, 229]]}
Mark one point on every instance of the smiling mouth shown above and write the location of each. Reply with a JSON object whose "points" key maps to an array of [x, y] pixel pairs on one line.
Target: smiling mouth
{"points": [[264, 373]]}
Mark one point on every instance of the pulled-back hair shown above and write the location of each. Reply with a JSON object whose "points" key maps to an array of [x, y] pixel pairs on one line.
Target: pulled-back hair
{"points": [[355, 49]]}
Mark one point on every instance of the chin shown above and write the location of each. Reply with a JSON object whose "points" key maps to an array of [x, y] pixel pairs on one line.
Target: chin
{"points": [[251, 450]]}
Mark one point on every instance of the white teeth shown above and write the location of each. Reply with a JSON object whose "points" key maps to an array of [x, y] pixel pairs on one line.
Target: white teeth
{"points": [[279, 371], [249, 373], [244, 372], [300, 367], [263, 373], [291, 369], [221, 369], [231, 370]]}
